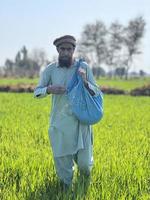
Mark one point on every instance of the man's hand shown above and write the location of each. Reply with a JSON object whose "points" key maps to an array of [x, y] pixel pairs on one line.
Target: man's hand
{"points": [[55, 89], [82, 72]]}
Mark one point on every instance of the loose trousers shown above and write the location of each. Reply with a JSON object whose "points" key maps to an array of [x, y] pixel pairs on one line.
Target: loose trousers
{"points": [[65, 165]]}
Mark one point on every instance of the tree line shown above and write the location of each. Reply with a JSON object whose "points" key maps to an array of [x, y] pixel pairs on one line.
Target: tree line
{"points": [[25, 65], [116, 47]]}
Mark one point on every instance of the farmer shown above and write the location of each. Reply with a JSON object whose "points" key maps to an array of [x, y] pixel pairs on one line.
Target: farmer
{"points": [[71, 140]]}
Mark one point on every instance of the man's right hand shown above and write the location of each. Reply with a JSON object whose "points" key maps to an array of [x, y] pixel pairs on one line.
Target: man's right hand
{"points": [[55, 89]]}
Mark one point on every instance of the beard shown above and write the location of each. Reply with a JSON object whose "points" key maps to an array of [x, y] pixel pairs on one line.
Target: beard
{"points": [[65, 61]]}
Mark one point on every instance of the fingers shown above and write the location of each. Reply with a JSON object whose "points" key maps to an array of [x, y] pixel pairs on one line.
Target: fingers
{"points": [[57, 89], [82, 71], [61, 90]]}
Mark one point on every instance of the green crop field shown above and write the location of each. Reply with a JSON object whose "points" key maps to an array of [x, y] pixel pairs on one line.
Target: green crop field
{"points": [[117, 83], [121, 150], [124, 84], [14, 81]]}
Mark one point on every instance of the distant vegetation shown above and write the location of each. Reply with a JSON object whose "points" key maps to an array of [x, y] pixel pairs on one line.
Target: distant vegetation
{"points": [[124, 84], [115, 47], [117, 83]]}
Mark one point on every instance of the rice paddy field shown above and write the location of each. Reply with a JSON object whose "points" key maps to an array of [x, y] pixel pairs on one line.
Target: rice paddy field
{"points": [[121, 151]]}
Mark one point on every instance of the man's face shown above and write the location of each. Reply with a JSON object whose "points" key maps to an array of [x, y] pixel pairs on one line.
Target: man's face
{"points": [[65, 51]]}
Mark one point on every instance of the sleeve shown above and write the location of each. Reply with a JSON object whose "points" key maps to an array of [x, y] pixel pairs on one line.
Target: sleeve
{"points": [[91, 80], [45, 80]]}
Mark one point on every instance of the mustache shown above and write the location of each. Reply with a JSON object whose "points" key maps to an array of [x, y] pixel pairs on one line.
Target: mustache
{"points": [[64, 57]]}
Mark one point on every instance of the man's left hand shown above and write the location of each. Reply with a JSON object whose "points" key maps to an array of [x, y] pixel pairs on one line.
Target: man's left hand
{"points": [[82, 72]]}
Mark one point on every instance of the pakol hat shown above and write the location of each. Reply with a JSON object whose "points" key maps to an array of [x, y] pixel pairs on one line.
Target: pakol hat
{"points": [[65, 39]]}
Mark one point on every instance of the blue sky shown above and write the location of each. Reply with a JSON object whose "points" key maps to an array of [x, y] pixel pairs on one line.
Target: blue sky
{"points": [[37, 23]]}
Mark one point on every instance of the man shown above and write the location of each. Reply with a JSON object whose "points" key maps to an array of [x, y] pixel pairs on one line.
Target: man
{"points": [[71, 140]]}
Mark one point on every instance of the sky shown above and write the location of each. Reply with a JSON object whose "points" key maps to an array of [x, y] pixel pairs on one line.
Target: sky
{"points": [[36, 24]]}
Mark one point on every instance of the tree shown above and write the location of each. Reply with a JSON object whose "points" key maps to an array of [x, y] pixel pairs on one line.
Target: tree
{"points": [[24, 65], [93, 42], [39, 56], [114, 49], [120, 71], [9, 67], [18, 58], [24, 52], [133, 34], [142, 73], [98, 71]]}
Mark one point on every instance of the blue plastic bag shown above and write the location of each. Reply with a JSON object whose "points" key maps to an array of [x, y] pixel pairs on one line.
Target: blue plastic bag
{"points": [[87, 108]]}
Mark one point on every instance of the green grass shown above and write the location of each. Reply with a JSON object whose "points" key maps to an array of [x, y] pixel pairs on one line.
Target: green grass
{"points": [[124, 84], [120, 150], [14, 81], [117, 83]]}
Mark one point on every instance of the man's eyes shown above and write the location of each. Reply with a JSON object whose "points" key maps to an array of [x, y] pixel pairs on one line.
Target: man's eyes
{"points": [[63, 49]]}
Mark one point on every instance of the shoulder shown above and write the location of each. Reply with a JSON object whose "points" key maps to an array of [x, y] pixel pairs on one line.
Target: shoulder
{"points": [[50, 67]]}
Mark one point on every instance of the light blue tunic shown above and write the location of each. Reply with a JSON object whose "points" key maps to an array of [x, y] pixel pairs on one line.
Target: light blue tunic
{"points": [[67, 134]]}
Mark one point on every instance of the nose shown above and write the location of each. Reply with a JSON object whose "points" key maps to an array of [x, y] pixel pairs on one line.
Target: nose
{"points": [[65, 52]]}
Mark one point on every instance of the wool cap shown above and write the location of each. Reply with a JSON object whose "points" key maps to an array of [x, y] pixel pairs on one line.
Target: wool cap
{"points": [[65, 39]]}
